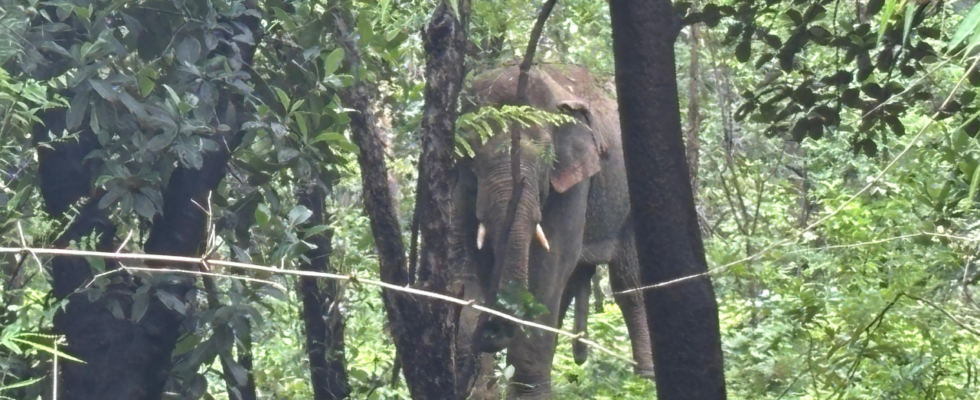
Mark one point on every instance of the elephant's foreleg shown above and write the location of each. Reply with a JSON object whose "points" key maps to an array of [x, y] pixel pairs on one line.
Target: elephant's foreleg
{"points": [[532, 351], [624, 275], [581, 291]]}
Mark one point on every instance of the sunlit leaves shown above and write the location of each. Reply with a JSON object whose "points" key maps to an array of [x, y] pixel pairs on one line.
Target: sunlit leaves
{"points": [[969, 28], [332, 61], [488, 121]]}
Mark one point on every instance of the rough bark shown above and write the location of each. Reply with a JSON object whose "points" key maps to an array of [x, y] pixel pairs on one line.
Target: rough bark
{"points": [[125, 360], [235, 390], [421, 347], [683, 317], [423, 329], [321, 315]]}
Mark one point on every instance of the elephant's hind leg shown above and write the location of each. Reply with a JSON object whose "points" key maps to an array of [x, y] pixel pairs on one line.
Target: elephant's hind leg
{"points": [[624, 275], [579, 286]]}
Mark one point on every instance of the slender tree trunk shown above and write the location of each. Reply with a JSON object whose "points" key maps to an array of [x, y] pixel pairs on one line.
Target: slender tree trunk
{"points": [[245, 359], [321, 315], [236, 390], [423, 329], [683, 317]]}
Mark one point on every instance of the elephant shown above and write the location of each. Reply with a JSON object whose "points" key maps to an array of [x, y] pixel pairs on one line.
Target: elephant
{"points": [[573, 213]]}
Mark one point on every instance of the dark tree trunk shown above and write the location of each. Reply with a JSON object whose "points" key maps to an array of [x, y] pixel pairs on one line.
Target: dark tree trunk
{"points": [[236, 390], [94, 334], [683, 317], [245, 359], [321, 315], [423, 329], [124, 359]]}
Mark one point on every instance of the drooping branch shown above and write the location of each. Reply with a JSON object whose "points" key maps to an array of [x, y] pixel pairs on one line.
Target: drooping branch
{"points": [[515, 134], [532, 47]]}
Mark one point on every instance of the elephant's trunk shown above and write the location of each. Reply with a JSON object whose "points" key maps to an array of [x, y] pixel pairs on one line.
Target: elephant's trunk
{"points": [[511, 244], [511, 258]]}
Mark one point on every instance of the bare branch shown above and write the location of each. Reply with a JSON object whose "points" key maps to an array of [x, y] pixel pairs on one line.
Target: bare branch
{"points": [[515, 134]]}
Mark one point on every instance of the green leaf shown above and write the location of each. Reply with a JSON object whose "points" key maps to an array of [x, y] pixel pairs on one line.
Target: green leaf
{"points": [[76, 113], [97, 263], [187, 343], [296, 105], [141, 302], [365, 28], [237, 370], [115, 308], [463, 148], [262, 214], [173, 95], [172, 302], [332, 62], [146, 82], [189, 50], [162, 140], [299, 215], [301, 121], [285, 18], [133, 105], [47, 349], [974, 183], [103, 89], [330, 137], [886, 17], [143, 206], [283, 97], [973, 44], [110, 197], [909, 16], [21, 384], [966, 27], [316, 230]]}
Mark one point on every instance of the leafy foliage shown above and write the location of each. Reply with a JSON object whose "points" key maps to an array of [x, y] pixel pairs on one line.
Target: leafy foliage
{"points": [[487, 120], [839, 179]]}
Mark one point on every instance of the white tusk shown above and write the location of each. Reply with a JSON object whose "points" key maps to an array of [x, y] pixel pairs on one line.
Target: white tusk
{"points": [[481, 232], [542, 238]]}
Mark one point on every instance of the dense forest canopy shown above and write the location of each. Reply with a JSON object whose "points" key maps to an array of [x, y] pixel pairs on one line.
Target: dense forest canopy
{"points": [[280, 147]]}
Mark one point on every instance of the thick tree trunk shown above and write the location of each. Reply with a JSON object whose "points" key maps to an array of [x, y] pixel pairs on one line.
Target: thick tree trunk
{"points": [[683, 317], [321, 315], [94, 334], [125, 359]]}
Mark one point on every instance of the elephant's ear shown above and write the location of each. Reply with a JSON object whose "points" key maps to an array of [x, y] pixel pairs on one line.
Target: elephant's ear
{"points": [[578, 148]]}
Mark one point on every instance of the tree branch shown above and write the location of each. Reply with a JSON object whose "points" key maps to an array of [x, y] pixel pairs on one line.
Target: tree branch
{"points": [[515, 134]]}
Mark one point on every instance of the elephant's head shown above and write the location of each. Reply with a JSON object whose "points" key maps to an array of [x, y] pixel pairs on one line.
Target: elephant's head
{"points": [[553, 159]]}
